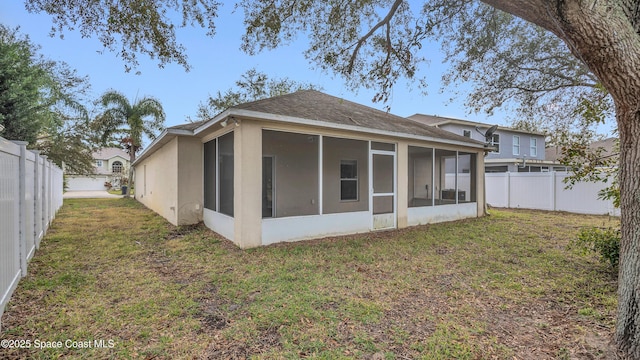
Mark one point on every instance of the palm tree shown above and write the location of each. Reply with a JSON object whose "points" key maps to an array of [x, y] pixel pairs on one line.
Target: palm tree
{"points": [[128, 122]]}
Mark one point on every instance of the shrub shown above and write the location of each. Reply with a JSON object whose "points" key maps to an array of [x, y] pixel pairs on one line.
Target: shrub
{"points": [[603, 241]]}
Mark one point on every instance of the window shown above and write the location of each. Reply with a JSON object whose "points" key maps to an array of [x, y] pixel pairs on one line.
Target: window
{"points": [[225, 174], [533, 147], [348, 180], [99, 163], [516, 145], [116, 167], [210, 170], [466, 133], [495, 142]]}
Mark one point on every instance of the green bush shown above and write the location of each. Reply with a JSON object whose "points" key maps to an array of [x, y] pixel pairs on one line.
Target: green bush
{"points": [[604, 242]]}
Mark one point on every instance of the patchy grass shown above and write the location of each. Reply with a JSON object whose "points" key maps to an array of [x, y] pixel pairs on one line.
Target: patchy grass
{"points": [[504, 286]]}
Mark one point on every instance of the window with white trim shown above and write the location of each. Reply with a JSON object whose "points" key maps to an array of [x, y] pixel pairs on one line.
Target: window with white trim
{"points": [[116, 167], [516, 145], [466, 133], [533, 147], [98, 163], [495, 142], [348, 180]]}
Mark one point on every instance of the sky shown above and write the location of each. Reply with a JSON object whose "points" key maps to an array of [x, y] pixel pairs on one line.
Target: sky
{"points": [[216, 64]]}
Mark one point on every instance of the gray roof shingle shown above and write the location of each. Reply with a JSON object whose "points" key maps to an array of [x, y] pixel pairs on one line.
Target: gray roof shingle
{"points": [[315, 105]]}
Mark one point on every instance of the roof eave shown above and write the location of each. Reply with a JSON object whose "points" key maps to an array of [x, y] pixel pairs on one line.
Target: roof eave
{"points": [[161, 140], [319, 123]]}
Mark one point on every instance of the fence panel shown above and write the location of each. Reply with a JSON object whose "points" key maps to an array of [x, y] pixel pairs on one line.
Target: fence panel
{"points": [[9, 220], [30, 196], [583, 198], [546, 191], [497, 189]]}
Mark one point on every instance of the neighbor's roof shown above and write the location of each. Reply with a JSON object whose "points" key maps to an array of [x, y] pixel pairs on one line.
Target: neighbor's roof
{"points": [[108, 153], [311, 107], [609, 149], [433, 120]]}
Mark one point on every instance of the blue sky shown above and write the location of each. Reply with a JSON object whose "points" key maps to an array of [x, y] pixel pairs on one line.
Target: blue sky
{"points": [[216, 64]]}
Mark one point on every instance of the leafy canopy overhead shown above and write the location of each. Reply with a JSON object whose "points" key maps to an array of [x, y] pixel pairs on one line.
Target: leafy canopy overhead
{"points": [[504, 60], [128, 27]]}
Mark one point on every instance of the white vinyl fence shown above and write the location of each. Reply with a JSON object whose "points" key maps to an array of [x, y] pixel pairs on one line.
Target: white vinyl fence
{"points": [[546, 191], [30, 196]]}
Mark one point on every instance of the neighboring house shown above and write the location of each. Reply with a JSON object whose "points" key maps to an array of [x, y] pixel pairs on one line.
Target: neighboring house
{"points": [[608, 147], [516, 150], [111, 166], [308, 165]]}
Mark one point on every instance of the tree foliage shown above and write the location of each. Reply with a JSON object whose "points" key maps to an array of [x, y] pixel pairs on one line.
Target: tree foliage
{"points": [[128, 27], [253, 85], [127, 122], [512, 63], [41, 103]]}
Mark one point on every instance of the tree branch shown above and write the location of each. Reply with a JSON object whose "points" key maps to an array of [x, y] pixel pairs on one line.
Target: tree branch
{"points": [[534, 11], [363, 39]]}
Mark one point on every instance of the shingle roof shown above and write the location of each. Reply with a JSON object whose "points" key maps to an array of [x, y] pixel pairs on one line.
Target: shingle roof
{"points": [[108, 153], [189, 126], [433, 120], [608, 146], [315, 105]]}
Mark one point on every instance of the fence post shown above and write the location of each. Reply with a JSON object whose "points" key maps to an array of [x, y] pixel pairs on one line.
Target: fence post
{"points": [[508, 187], [22, 206], [36, 198], [554, 202], [45, 195]]}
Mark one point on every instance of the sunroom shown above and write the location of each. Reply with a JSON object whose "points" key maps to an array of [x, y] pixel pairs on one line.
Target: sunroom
{"points": [[308, 165]]}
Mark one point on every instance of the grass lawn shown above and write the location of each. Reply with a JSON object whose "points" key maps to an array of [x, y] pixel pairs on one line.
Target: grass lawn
{"points": [[504, 287]]}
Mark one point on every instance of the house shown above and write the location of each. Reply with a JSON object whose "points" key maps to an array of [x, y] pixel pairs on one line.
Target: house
{"points": [[515, 150], [309, 165], [111, 166], [608, 148]]}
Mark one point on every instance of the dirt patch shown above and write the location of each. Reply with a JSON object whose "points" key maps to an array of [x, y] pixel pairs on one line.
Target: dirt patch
{"points": [[546, 329], [183, 230], [221, 348]]}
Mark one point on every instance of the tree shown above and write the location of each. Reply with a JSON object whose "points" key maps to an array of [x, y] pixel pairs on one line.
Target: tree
{"points": [[375, 43], [253, 85], [40, 103], [372, 48], [127, 122], [129, 27]]}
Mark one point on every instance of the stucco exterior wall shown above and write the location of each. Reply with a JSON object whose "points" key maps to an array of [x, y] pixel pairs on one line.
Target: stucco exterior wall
{"points": [[109, 164], [248, 185], [157, 181]]}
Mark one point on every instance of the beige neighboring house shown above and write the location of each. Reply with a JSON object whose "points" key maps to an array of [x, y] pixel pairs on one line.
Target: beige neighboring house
{"points": [[111, 166], [609, 149], [309, 165]]}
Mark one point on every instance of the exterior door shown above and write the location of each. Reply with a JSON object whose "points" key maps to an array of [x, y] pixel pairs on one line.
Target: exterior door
{"points": [[383, 189]]}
